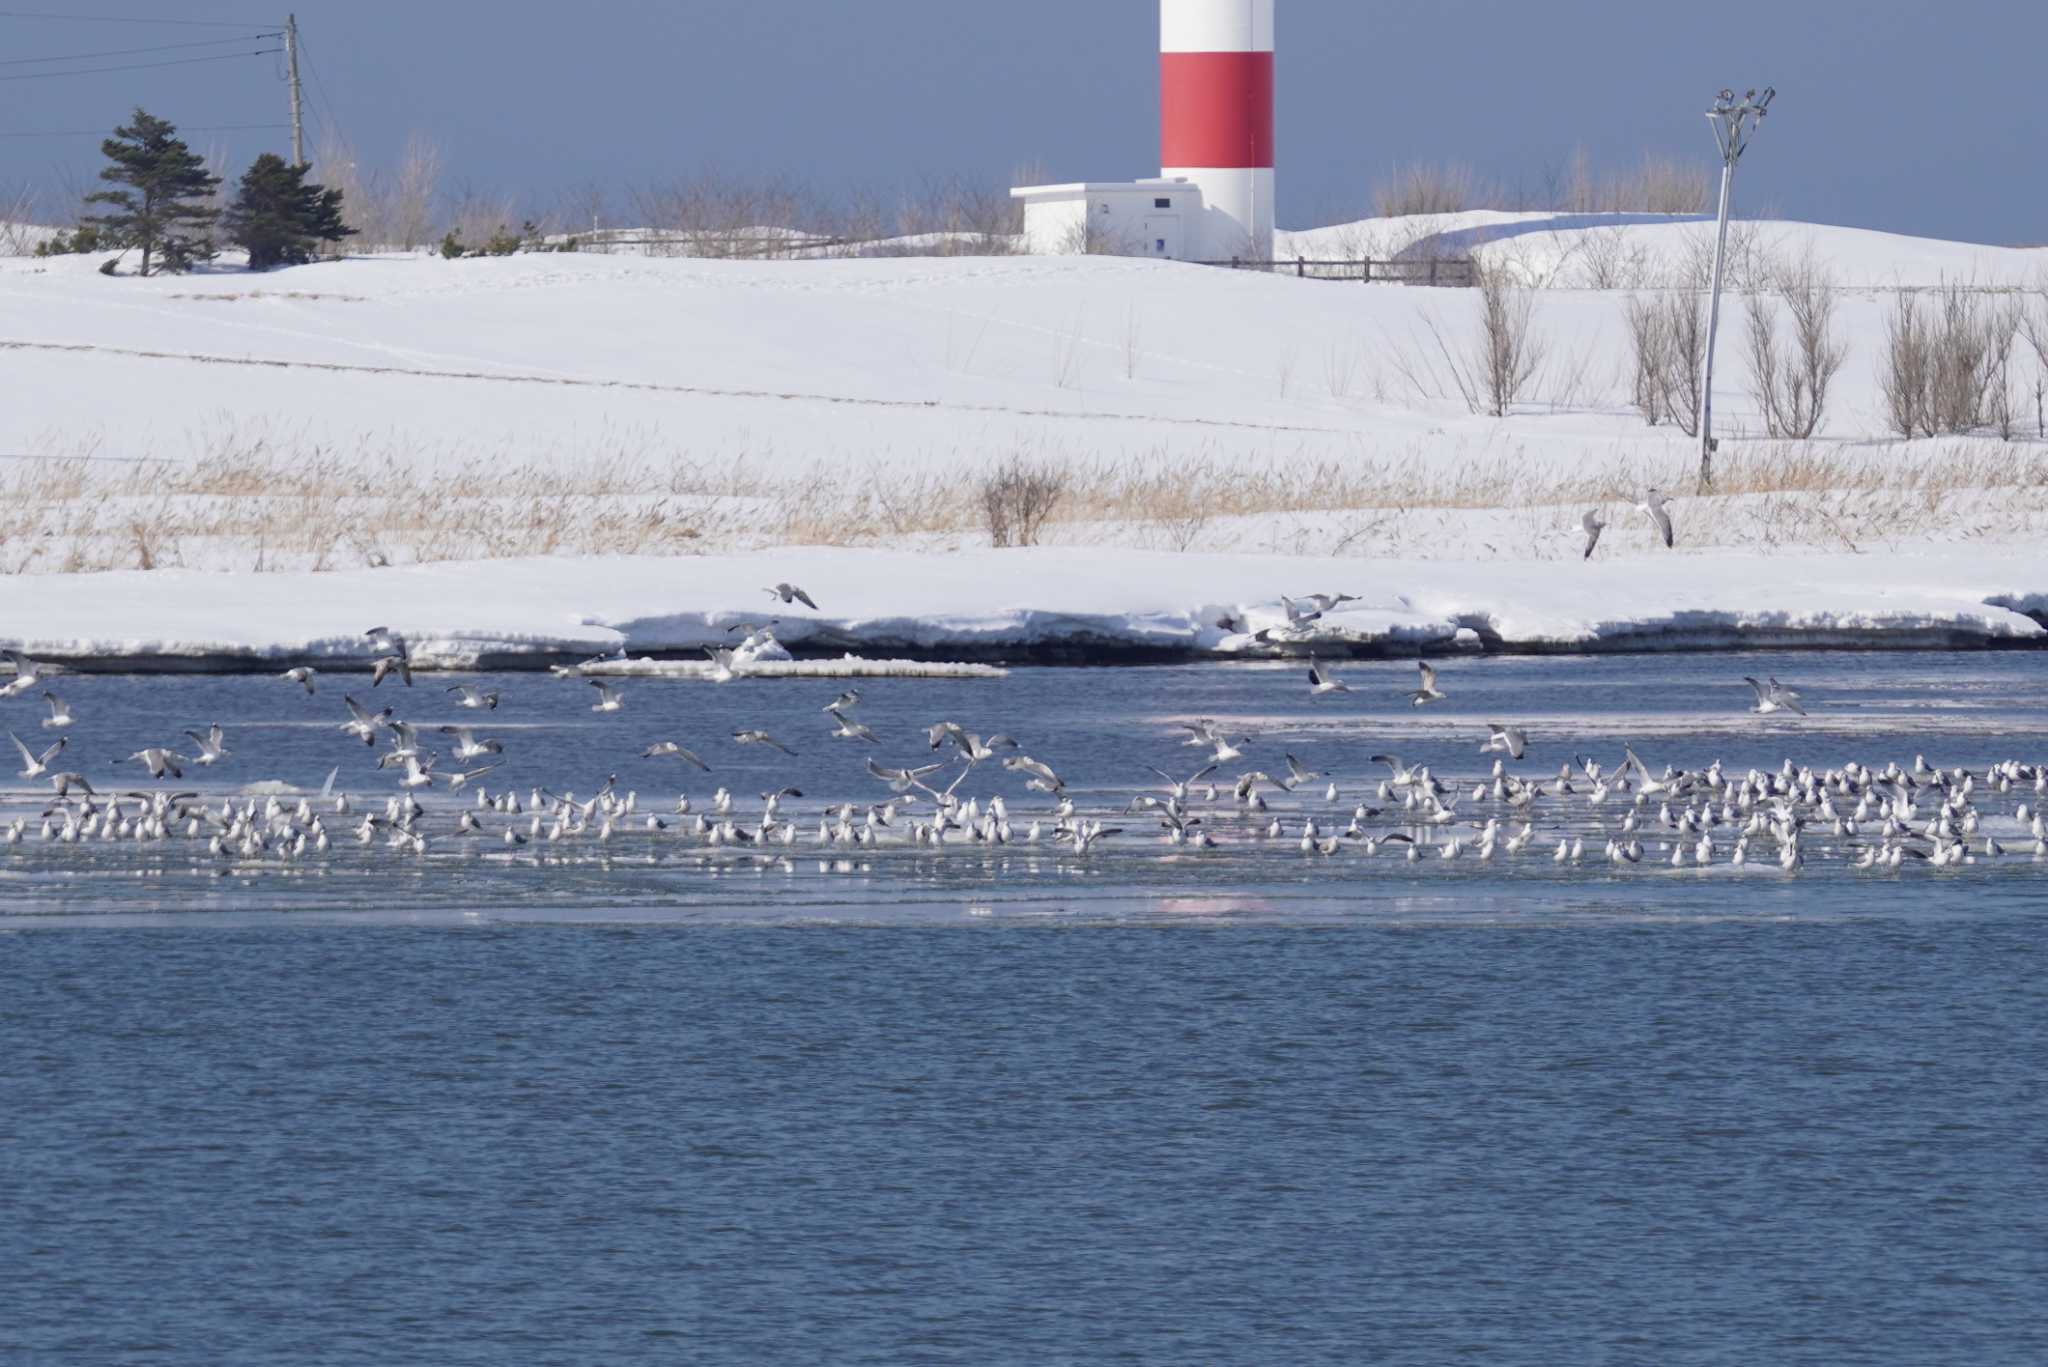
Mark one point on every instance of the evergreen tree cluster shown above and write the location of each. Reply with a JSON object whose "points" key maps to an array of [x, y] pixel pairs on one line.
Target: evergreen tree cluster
{"points": [[162, 204], [279, 218]]}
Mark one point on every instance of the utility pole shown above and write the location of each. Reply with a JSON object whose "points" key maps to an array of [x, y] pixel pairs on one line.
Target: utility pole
{"points": [[1733, 125], [291, 60]]}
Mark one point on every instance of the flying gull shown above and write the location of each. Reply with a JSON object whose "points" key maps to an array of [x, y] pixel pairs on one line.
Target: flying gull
{"points": [[1429, 692], [1322, 683], [1652, 507], [790, 593], [1594, 526], [1774, 697]]}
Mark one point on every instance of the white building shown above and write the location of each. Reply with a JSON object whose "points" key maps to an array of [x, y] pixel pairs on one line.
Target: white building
{"points": [[1156, 218]]}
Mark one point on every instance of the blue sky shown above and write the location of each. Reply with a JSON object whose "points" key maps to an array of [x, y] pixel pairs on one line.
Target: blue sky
{"points": [[1915, 117]]}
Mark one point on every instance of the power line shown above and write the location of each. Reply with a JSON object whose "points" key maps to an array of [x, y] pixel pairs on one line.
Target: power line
{"points": [[318, 88], [182, 128], [118, 19], [139, 66], [136, 51]]}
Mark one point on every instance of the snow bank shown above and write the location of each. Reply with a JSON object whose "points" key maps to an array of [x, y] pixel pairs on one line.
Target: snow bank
{"points": [[1074, 603], [844, 667], [1587, 250]]}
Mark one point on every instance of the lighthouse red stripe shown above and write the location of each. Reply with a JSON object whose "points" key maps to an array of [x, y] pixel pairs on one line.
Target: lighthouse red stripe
{"points": [[1216, 110]]}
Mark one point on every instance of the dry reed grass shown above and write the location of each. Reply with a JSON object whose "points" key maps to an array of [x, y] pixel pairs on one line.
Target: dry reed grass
{"points": [[251, 507]]}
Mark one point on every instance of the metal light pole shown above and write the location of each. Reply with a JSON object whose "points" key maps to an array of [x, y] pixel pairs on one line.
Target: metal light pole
{"points": [[1734, 124]]}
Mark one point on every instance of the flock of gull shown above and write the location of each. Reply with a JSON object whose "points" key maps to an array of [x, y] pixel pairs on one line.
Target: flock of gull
{"points": [[1581, 811]]}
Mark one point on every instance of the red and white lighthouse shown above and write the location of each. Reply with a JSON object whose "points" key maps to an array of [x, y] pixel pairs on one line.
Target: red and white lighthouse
{"points": [[1216, 116]]}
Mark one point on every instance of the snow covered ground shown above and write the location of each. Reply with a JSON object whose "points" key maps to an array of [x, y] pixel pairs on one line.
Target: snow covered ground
{"points": [[1010, 602], [1659, 251], [573, 453]]}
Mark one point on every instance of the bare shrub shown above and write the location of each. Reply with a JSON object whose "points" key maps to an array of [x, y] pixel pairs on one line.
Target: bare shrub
{"points": [[1810, 298], [958, 217], [18, 233], [1662, 185], [1016, 499], [1766, 374], [1906, 366], [1490, 372], [1340, 370], [1657, 185], [1610, 258], [1960, 378], [1089, 237], [1649, 346], [1791, 388], [1749, 265], [1947, 368], [2002, 323], [409, 214], [725, 217], [1509, 353], [477, 217], [2034, 327], [1066, 352], [1283, 371], [1420, 189], [362, 203], [1685, 358], [1667, 336], [392, 212]]}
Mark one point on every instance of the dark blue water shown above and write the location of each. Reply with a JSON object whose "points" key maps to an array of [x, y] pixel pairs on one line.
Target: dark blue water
{"points": [[1697, 1143], [654, 1102]]}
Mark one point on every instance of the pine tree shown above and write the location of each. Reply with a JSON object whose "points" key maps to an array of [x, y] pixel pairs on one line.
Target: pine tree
{"points": [[163, 210], [279, 218]]}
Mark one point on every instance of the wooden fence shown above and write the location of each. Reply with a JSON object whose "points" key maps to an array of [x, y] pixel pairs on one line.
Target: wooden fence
{"points": [[1444, 271]]}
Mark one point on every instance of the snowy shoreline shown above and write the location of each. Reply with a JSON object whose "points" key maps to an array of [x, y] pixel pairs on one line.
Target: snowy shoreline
{"points": [[1051, 605]]}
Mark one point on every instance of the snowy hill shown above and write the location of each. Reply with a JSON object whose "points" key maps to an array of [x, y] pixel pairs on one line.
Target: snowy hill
{"points": [[932, 363]]}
